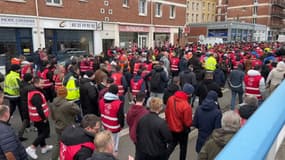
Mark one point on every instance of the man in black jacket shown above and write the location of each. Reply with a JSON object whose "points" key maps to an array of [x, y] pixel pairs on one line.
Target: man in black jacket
{"points": [[25, 86], [38, 113], [153, 135], [77, 141], [89, 94], [11, 147]]}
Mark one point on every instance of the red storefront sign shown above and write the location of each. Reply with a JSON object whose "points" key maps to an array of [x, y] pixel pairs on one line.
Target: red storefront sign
{"points": [[162, 30], [133, 28]]}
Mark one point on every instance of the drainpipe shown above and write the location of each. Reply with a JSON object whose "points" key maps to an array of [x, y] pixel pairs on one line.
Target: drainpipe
{"points": [[38, 23]]}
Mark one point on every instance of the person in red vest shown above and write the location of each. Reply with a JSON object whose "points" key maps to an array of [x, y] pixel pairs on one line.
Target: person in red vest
{"points": [[120, 81], [255, 84], [47, 75], [77, 140], [112, 113], [26, 67], [137, 84], [58, 76], [174, 65], [38, 113], [84, 65]]}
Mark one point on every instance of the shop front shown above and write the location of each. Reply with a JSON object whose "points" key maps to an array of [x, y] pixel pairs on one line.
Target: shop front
{"points": [[133, 36], [161, 36], [67, 38], [15, 37]]}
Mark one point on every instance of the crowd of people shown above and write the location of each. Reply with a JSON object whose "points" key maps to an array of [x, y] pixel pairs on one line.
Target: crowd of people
{"points": [[86, 96]]}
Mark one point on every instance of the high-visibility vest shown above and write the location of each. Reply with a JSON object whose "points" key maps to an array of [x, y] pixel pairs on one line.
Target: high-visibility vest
{"points": [[252, 85], [57, 81], [109, 116], [33, 113], [11, 86], [84, 66], [210, 63], [136, 86], [73, 93], [67, 152], [118, 81]]}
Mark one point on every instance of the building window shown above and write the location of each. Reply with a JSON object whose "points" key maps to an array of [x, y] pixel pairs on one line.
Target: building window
{"points": [[142, 7], [203, 5], [197, 18], [106, 19], [197, 6], [208, 6], [106, 3], [203, 17], [214, 7], [192, 18], [54, 2], [158, 11], [254, 20], [193, 5], [255, 10], [110, 11], [102, 10], [125, 3], [172, 12]]}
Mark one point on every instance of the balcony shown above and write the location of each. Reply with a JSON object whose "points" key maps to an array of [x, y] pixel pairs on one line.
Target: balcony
{"points": [[279, 3]]}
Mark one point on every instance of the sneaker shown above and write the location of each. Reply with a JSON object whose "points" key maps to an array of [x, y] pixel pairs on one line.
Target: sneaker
{"points": [[32, 153], [46, 148]]}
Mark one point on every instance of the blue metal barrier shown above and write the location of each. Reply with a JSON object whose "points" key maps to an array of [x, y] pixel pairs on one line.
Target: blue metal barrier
{"points": [[254, 140]]}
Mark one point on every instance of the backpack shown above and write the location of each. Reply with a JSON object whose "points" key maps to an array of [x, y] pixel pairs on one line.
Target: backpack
{"points": [[155, 80]]}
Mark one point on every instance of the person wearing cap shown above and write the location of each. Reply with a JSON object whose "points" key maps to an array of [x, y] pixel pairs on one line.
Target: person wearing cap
{"points": [[89, 94], [63, 114], [178, 114], [207, 117], [25, 86], [12, 88], [112, 113]]}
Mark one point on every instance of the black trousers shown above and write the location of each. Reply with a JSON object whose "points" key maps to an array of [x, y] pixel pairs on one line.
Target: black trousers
{"points": [[13, 103], [180, 138], [43, 133], [142, 156]]}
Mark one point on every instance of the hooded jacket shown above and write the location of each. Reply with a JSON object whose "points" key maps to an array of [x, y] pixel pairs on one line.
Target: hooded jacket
{"points": [[262, 87], [207, 118], [89, 97], [110, 97], [276, 76], [135, 113], [63, 113], [178, 112], [187, 76], [162, 81], [215, 144]]}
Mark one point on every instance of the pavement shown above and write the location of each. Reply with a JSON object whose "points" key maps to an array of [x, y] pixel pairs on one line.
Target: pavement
{"points": [[126, 147]]}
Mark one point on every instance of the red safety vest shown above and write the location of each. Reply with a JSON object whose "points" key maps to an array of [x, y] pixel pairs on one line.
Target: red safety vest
{"points": [[109, 113], [136, 86], [118, 81], [91, 65], [252, 86], [84, 66], [57, 81], [26, 69], [43, 75], [136, 67], [174, 61], [68, 152], [33, 113]]}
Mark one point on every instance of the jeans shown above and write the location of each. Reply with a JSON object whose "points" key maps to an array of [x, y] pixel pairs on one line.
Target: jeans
{"points": [[116, 139], [43, 133], [233, 101], [55, 152]]}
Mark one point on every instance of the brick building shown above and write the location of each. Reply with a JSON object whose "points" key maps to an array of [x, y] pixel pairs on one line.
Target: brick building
{"points": [[267, 12], [90, 25], [200, 11]]}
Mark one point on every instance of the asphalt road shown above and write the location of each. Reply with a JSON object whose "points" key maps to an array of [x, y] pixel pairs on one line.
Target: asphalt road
{"points": [[126, 147]]}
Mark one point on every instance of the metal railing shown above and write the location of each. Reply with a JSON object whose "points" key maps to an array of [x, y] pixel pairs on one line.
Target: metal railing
{"points": [[256, 140]]}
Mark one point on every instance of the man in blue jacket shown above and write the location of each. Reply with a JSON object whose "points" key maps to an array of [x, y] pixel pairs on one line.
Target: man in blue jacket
{"points": [[10, 145]]}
